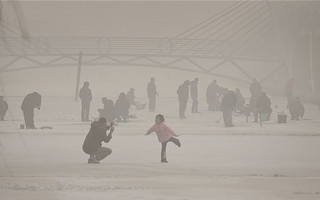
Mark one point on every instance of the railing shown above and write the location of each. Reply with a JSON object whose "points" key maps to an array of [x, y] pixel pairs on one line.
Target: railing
{"points": [[53, 46]]}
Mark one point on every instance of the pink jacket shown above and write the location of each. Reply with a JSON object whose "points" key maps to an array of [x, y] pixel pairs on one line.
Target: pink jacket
{"points": [[163, 132]]}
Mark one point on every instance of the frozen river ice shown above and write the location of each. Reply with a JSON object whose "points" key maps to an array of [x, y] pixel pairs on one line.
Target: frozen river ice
{"points": [[275, 161]]}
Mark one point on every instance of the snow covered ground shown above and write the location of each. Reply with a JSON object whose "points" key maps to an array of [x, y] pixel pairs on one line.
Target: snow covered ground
{"points": [[247, 162]]}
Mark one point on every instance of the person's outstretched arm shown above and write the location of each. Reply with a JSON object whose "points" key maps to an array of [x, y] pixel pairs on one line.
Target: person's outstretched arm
{"points": [[152, 129]]}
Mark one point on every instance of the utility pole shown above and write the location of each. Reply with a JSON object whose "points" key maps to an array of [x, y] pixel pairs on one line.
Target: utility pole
{"points": [[78, 77]]}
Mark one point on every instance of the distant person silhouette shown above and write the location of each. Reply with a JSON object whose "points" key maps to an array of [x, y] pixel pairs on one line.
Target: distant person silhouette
{"points": [[212, 96], [183, 95], [255, 90], [240, 101], [122, 106], [152, 94], [165, 134], [108, 110], [264, 107], [228, 104], [131, 96], [92, 143], [3, 108], [29, 103], [194, 95], [296, 109], [86, 97]]}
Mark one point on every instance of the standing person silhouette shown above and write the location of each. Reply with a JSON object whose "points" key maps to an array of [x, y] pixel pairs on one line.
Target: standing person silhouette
{"points": [[152, 94], [212, 96], [3, 108], [256, 91], [183, 95], [194, 95], [228, 104], [86, 97]]}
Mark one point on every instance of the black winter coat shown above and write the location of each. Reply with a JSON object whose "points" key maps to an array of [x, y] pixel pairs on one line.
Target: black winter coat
{"points": [[229, 100], [96, 135]]}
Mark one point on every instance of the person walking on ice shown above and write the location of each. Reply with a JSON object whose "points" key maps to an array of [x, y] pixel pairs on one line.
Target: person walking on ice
{"points": [[165, 134]]}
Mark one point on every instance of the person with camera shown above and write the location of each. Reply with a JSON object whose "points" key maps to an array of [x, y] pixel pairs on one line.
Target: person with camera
{"points": [[92, 143]]}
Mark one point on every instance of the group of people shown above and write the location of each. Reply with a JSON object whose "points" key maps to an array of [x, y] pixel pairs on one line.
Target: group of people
{"points": [[120, 109], [259, 104], [110, 110], [227, 101], [218, 99]]}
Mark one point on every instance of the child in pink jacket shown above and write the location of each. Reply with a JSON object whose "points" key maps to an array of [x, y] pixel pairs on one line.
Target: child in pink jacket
{"points": [[165, 135]]}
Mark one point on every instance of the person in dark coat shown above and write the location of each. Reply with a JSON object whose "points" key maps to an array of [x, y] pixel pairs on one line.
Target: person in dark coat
{"points": [[92, 143], [122, 106], [29, 103], [212, 96], [264, 107], [255, 90], [108, 110], [194, 95], [152, 95], [183, 95], [240, 101], [86, 97], [3, 108], [296, 109], [228, 104]]}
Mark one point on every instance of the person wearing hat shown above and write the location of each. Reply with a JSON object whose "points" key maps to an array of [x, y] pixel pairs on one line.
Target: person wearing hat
{"points": [[98, 134]]}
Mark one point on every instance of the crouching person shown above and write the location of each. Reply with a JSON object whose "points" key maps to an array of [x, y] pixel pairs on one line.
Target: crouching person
{"points": [[92, 143]]}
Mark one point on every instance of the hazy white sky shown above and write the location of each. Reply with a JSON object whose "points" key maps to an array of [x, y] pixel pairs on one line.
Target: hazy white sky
{"points": [[124, 18]]}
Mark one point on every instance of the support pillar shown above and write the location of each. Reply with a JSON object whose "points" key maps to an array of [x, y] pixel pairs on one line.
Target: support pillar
{"points": [[76, 95]]}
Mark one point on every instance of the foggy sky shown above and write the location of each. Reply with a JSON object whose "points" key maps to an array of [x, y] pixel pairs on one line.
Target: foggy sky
{"points": [[115, 19]]}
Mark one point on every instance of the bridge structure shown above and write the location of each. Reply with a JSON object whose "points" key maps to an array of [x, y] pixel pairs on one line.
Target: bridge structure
{"points": [[248, 31]]}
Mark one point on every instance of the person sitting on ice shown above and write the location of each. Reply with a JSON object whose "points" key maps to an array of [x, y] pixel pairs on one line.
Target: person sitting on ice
{"points": [[296, 109], [3, 108], [131, 96], [165, 134], [92, 143], [264, 107], [108, 110], [122, 107]]}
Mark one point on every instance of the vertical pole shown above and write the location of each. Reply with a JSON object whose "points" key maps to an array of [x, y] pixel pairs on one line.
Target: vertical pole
{"points": [[311, 63], [286, 53], [78, 77]]}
